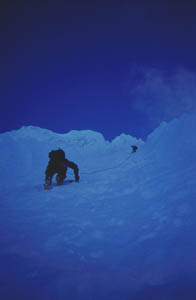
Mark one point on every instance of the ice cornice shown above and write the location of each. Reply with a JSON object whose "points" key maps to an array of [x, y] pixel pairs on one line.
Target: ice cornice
{"points": [[80, 137]]}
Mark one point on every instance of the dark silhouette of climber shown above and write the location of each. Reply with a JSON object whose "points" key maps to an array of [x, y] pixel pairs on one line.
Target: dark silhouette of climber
{"points": [[59, 164], [134, 148]]}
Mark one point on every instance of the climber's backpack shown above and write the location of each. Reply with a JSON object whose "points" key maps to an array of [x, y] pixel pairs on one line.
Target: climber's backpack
{"points": [[57, 155]]}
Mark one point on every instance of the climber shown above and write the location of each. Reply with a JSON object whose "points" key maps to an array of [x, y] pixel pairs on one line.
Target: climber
{"points": [[59, 164], [134, 148]]}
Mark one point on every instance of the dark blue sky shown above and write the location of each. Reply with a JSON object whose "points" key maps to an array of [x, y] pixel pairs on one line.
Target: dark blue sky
{"points": [[74, 64]]}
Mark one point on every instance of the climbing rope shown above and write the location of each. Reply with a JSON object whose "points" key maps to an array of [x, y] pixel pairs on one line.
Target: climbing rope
{"points": [[111, 168]]}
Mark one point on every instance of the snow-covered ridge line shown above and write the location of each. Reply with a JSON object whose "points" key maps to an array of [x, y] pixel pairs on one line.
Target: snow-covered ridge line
{"points": [[87, 136]]}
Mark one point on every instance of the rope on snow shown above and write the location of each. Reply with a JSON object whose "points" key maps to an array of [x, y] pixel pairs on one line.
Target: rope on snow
{"points": [[111, 168]]}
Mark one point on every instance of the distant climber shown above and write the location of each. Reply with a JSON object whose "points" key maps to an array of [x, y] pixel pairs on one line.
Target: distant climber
{"points": [[134, 148], [59, 164]]}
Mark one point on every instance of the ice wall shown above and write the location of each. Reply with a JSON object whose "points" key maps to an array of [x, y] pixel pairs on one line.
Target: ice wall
{"points": [[24, 152]]}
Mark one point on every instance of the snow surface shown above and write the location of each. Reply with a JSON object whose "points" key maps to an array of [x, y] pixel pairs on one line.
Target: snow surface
{"points": [[125, 231]]}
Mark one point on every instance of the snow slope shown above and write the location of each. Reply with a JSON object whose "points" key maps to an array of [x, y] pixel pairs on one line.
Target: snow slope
{"points": [[126, 227]]}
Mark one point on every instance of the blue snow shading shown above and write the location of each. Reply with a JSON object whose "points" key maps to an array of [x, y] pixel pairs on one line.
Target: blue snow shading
{"points": [[125, 231]]}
